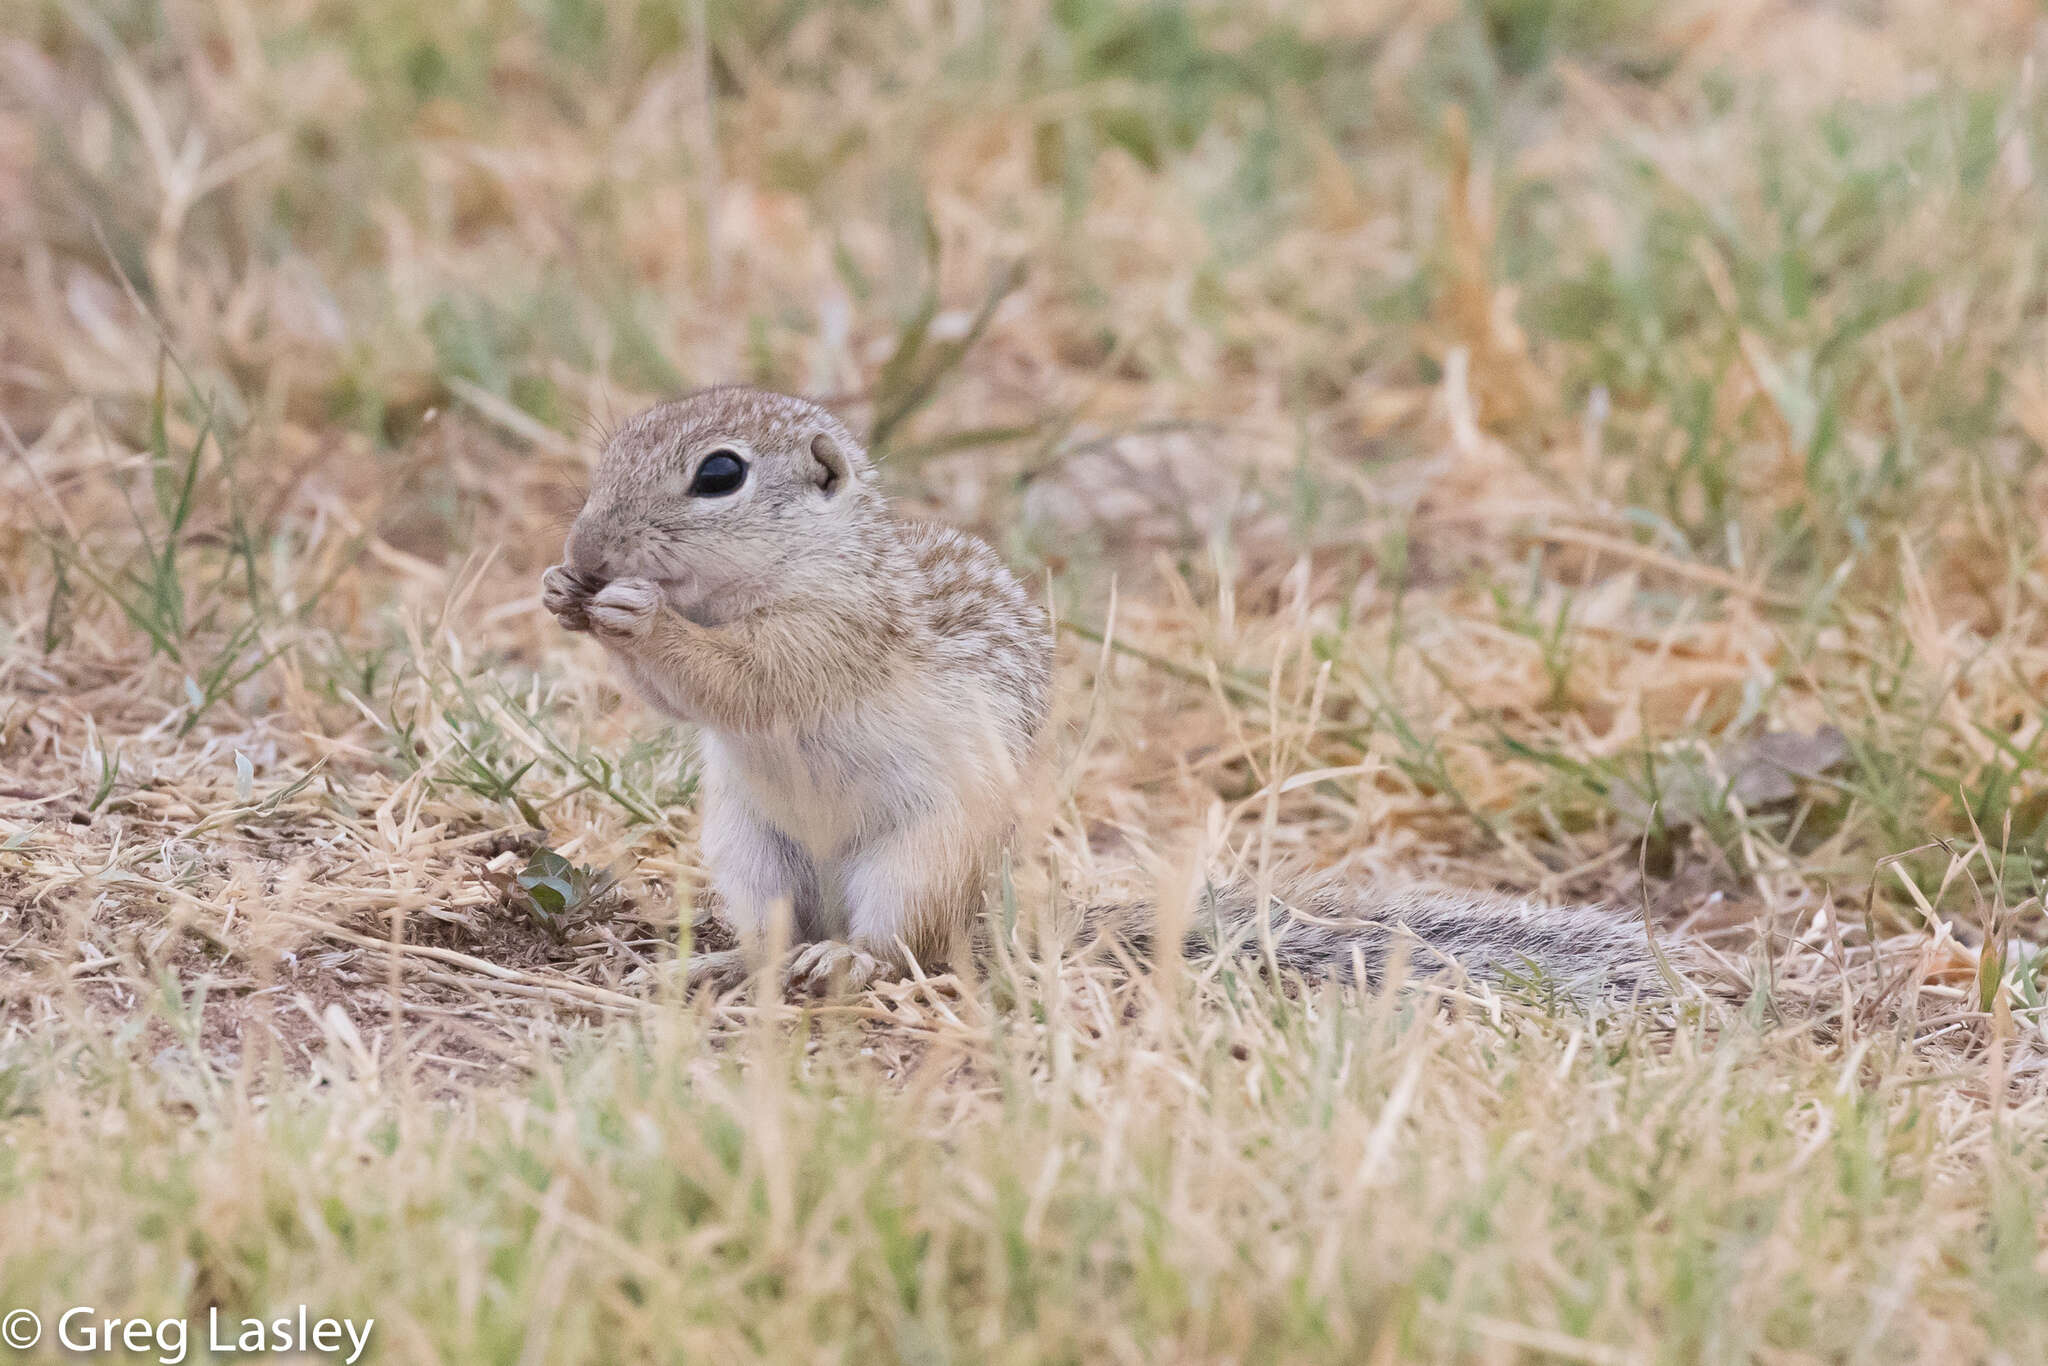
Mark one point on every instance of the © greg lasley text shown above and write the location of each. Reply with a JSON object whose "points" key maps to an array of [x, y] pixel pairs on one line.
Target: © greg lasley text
{"points": [[85, 1329]]}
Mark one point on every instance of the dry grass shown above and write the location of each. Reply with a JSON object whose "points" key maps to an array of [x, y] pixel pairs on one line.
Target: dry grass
{"points": [[1577, 445]]}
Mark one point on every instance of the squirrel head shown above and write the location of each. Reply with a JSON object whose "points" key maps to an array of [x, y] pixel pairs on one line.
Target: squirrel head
{"points": [[716, 496]]}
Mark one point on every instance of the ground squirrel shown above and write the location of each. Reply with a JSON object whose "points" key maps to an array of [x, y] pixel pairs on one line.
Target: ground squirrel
{"points": [[871, 697]]}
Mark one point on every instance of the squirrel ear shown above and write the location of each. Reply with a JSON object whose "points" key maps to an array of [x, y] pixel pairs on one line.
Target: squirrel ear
{"points": [[832, 470]]}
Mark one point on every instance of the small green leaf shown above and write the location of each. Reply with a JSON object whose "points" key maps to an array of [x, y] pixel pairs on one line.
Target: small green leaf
{"points": [[549, 895], [555, 892]]}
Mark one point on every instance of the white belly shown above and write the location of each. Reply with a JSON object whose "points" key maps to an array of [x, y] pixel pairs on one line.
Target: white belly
{"points": [[829, 792]]}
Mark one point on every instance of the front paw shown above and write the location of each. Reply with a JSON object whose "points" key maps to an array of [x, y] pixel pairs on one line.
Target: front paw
{"points": [[624, 609], [566, 595]]}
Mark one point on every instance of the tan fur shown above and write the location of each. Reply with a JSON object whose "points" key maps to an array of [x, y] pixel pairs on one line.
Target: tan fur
{"points": [[871, 697]]}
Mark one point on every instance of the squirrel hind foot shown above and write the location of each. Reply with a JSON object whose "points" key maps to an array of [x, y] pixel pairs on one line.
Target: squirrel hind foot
{"points": [[833, 967], [718, 972]]}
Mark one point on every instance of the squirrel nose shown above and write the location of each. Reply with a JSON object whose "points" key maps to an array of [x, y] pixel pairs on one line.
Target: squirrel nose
{"points": [[586, 552]]}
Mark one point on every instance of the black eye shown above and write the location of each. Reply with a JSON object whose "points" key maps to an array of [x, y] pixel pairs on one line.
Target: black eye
{"points": [[720, 474]]}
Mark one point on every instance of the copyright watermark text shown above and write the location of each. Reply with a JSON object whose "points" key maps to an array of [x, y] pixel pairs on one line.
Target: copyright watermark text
{"points": [[85, 1330], [21, 1329]]}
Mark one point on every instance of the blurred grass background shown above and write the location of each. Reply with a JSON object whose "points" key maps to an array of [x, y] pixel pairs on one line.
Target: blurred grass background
{"points": [[1587, 446]]}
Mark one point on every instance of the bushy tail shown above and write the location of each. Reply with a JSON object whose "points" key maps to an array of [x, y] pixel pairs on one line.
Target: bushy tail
{"points": [[1324, 927]]}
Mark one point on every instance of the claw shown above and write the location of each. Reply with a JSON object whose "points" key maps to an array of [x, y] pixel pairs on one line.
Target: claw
{"points": [[625, 607], [833, 968], [717, 973], [566, 594]]}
